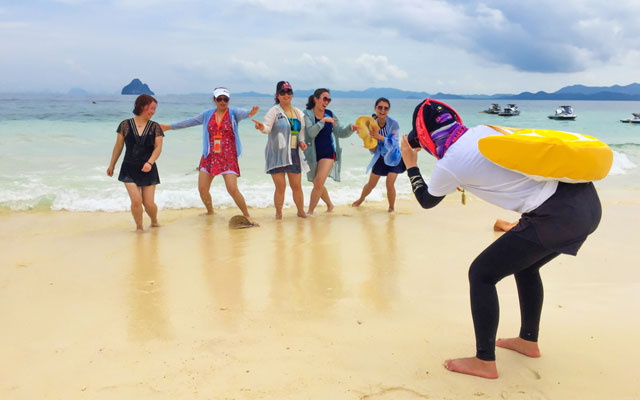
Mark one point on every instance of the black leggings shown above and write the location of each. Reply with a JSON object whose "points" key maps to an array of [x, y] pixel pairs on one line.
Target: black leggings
{"points": [[510, 254]]}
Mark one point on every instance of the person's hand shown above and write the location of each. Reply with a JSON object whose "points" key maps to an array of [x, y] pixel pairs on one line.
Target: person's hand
{"points": [[375, 133], [302, 145], [354, 127], [330, 120], [110, 171], [253, 111], [146, 167], [259, 125], [165, 127], [409, 154]]}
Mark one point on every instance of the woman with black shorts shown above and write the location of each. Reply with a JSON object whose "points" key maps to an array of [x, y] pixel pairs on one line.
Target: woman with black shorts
{"points": [[324, 155], [387, 159]]}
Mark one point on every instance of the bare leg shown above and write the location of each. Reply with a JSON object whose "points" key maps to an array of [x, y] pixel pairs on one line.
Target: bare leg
{"points": [[298, 197], [136, 204], [473, 366], [503, 226], [391, 190], [148, 200], [231, 182], [366, 190], [278, 196], [322, 172], [327, 200], [204, 184]]}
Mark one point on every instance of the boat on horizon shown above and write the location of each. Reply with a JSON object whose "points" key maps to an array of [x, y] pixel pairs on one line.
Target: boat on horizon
{"points": [[509, 111], [494, 108], [634, 120], [564, 113]]}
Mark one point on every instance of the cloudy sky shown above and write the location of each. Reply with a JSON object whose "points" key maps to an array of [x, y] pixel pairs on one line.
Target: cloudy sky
{"points": [[186, 46]]}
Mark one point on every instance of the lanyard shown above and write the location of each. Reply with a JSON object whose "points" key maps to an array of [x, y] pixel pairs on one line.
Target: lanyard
{"points": [[219, 123]]}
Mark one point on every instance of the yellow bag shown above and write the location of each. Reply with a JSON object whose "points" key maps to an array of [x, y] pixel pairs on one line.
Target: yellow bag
{"points": [[367, 125], [548, 155]]}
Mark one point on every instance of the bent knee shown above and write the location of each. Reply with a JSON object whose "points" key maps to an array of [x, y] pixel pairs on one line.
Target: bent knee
{"points": [[480, 272]]}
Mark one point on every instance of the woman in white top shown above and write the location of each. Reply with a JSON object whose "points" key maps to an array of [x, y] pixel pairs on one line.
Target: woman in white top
{"points": [[556, 219], [285, 126]]}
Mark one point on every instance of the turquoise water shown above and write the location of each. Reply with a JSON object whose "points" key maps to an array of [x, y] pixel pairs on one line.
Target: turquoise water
{"points": [[55, 149]]}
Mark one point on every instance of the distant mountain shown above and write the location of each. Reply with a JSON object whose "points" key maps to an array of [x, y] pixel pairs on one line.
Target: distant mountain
{"points": [[575, 92], [77, 91], [136, 87], [632, 89]]}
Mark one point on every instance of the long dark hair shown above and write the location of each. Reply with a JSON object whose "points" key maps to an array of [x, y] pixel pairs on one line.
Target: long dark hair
{"points": [[316, 95]]}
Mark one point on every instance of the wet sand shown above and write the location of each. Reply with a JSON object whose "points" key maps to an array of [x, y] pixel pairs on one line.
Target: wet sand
{"points": [[356, 304]]}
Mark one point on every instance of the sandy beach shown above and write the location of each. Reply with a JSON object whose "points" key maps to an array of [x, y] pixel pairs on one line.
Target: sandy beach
{"points": [[356, 304]]}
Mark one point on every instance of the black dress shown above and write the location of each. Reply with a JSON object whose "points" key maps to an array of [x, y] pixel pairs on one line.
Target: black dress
{"points": [[139, 148]]}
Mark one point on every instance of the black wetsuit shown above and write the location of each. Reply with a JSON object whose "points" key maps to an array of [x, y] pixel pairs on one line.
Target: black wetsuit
{"points": [[559, 225]]}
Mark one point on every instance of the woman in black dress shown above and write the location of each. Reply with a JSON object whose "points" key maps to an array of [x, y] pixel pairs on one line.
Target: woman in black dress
{"points": [[143, 140]]}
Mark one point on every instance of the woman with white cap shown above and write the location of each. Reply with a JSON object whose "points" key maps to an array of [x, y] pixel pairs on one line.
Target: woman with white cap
{"points": [[284, 124], [220, 147]]}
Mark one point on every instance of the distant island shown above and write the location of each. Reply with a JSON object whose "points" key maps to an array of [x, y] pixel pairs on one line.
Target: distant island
{"points": [[137, 87], [575, 92]]}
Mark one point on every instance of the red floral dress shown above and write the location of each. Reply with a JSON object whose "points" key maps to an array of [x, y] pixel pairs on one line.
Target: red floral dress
{"points": [[226, 160]]}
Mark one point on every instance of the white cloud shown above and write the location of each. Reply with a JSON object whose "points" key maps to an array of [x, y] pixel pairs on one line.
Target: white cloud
{"points": [[254, 69], [378, 68]]}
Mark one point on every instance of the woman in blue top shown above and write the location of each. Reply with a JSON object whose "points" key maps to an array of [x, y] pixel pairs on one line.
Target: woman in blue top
{"points": [[387, 158], [221, 147], [322, 136]]}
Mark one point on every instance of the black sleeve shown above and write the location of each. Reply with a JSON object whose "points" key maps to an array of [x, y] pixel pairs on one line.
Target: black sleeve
{"points": [[420, 189]]}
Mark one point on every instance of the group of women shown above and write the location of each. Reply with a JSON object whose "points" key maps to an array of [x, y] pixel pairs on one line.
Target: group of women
{"points": [[297, 141], [557, 217]]}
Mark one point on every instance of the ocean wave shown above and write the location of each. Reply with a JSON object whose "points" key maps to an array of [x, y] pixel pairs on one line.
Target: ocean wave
{"points": [[621, 164], [175, 193], [625, 145]]}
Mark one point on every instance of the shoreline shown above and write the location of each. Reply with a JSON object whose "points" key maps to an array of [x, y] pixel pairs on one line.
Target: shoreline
{"points": [[359, 303]]}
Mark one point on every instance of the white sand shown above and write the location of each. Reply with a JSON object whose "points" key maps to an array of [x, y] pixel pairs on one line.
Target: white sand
{"points": [[358, 304]]}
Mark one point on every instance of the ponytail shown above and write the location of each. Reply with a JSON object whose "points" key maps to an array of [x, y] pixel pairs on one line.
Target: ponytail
{"points": [[311, 103], [316, 95]]}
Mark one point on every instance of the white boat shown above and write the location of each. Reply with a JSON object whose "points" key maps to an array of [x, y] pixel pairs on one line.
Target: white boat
{"points": [[564, 113], [493, 109], [509, 111], [634, 120]]}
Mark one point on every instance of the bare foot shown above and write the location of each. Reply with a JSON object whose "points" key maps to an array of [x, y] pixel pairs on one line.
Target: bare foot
{"points": [[473, 366], [154, 224], [278, 215], [139, 229], [357, 203], [330, 208], [302, 214], [391, 209], [526, 347], [503, 226]]}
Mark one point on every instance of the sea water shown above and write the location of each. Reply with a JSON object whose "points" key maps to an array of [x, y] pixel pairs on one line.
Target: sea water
{"points": [[55, 149]]}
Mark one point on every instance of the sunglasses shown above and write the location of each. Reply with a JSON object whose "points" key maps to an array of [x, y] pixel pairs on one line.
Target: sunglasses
{"points": [[285, 91], [326, 99], [222, 98], [382, 108]]}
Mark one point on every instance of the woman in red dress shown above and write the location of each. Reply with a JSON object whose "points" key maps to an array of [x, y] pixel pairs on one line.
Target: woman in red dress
{"points": [[221, 147]]}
